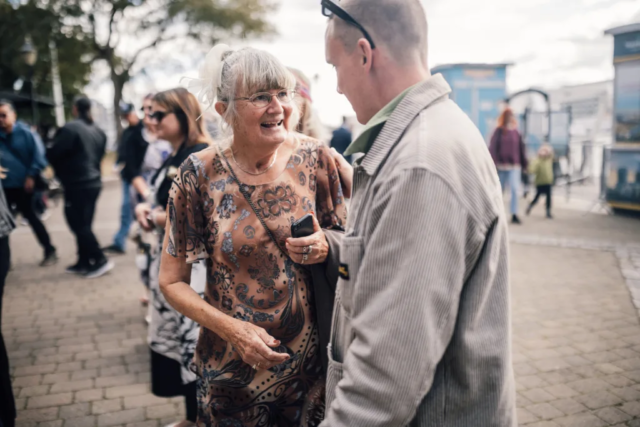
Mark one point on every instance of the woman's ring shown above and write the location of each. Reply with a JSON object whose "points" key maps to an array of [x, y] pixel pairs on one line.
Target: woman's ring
{"points": [[308, 249], [255, 366], [305, 257]]}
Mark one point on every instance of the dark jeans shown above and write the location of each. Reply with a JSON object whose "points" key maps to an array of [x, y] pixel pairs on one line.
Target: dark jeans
{"points": [[542, 189], [7, 403], [24, 204], [79, 208]]}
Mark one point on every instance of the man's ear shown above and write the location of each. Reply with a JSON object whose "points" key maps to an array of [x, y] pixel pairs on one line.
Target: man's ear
{"points": [[366, 53]]}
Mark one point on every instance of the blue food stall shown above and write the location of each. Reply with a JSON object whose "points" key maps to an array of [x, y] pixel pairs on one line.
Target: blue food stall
{"points": [[479, 89], [623, 164]]}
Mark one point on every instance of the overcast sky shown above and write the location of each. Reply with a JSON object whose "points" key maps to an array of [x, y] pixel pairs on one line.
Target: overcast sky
{"points": [[551, 43]]}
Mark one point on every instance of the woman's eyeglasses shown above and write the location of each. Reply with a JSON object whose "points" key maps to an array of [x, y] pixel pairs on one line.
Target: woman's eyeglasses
{"points": [[329, 8], [263, 99], [158, 116]]}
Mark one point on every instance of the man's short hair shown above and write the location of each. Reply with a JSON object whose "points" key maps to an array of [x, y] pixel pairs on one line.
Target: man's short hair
{"points": [[4, 102], [399, 25]]}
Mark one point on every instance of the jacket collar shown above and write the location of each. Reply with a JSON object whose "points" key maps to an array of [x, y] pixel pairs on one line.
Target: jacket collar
{"points": [[419, 98]]}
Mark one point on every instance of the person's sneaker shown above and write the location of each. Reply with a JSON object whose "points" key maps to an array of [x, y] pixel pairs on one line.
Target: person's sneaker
{"points": [[76, 269], [114, 250], [99, 269], [49, 259], [515, 219], [549, 216], [45, 215]]}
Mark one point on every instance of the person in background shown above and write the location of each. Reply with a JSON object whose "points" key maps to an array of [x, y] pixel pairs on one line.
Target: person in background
{"points": [[7, 401], [133, 147], [342, 139], [509, 155], [76, 154], [542, 168], [23, 157], [308, 122], [172, 337], [157, 152]]}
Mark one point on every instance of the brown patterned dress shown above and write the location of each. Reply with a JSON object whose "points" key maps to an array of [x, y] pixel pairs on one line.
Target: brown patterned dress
{"points": [[249, 278]]}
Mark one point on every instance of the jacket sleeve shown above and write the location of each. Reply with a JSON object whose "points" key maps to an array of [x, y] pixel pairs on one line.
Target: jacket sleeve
{"points": [[62, 145], [38, 159], [404, 302], [524, 162], [493, 146]]}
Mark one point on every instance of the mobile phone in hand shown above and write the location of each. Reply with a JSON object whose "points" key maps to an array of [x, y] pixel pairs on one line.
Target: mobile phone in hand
{"points": [[303, 227]]}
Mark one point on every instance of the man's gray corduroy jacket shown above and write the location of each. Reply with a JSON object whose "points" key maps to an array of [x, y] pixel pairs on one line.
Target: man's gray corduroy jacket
{"points": [[421, 331]]}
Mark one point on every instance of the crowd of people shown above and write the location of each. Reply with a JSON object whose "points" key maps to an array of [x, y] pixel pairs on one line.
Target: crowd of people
{"points": [[394, 303]]}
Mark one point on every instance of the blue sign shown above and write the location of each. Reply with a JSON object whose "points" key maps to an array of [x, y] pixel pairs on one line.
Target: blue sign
{"points": [[627, 45]]}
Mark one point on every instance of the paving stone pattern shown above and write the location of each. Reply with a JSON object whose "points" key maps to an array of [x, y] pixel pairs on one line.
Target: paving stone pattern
{"points": [[79, 356]]}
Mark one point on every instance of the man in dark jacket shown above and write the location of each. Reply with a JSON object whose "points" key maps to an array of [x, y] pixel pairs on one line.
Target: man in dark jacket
{"points": [[76, 153], [131, 153], [22, 155]]}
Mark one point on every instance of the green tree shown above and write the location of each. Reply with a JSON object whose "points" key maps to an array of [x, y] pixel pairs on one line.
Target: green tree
{"points": [[112, 26], [42, 25]]}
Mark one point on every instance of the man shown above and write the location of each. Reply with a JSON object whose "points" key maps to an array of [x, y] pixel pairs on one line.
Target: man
{"points": [[341, 138], [421, 329], [23, 157], [76, 153], [131, 153]]}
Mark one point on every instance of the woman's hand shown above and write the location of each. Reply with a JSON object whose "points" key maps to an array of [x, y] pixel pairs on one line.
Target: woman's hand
{"points": [[143, 210], [346, 172], [159, 217], [312, 249], [253, 342]]}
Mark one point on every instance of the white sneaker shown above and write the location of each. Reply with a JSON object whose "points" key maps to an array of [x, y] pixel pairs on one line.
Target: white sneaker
{"points": [[96, 272]]}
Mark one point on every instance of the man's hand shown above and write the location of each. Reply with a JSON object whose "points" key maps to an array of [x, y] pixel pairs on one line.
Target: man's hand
{"points": [[29, 184]]}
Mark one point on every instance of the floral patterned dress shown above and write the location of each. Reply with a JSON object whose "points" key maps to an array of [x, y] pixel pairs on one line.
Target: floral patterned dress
{"points": [[249, 278]]}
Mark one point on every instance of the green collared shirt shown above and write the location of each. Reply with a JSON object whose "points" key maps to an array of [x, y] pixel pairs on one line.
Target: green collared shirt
{"points": [[365, 140]]}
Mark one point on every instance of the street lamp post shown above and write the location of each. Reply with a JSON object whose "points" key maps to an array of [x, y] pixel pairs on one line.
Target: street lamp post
{"points": [[30, 56]]}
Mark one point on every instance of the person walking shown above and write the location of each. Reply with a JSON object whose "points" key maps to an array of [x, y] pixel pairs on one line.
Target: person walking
{"points": [[232, 206], [7, 401], [75, 155], [509, 154], [24, 160], [133, 147], [341, 139], [542, 168], [422, 327]]}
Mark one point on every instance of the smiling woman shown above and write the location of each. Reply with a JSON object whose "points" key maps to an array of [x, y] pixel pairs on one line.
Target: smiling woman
{"points": [[258, 354]]}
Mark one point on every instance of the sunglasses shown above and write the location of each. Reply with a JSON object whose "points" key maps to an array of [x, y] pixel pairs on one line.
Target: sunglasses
{"points": [[158, 116], [329, 9]]}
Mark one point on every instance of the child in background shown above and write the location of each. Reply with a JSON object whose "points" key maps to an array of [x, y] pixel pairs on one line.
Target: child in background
{"points": [[542, 168]]}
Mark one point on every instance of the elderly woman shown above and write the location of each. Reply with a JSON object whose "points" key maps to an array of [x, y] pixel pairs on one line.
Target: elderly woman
{"points": [[172, 337], [258, 355]]}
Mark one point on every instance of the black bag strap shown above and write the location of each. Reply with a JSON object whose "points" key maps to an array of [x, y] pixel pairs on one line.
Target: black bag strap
{"points": [[244, 189]]}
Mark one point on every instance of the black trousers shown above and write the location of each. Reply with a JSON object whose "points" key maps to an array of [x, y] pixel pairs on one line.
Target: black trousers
{"points": [[24, 204], [542, 189], [79, 209], [7, 403], [166, 381]]}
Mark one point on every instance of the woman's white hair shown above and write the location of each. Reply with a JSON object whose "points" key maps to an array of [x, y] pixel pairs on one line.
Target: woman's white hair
{"points": [[228, 74]]}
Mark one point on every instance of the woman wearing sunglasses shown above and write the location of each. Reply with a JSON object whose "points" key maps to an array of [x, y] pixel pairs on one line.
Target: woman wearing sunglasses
{"points": [[258, 354], [172, 337]]}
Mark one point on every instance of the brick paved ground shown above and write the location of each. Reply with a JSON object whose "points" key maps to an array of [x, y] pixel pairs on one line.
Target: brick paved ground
{"points": [[79, 357]]}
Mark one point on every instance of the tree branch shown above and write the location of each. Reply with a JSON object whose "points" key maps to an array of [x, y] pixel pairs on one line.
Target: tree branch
{"points": [[114, 10]]}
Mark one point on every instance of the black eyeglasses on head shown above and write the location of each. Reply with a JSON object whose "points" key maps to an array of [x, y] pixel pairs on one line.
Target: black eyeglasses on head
{"points": [[329, 9]]}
